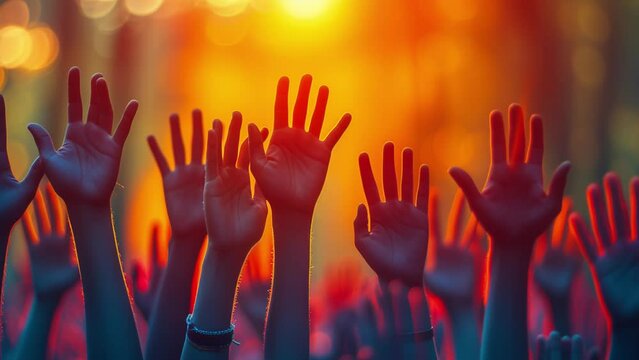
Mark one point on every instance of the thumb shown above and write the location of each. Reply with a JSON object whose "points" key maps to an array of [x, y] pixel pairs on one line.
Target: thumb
{"points": [[43, 140], [467, 185], [361, 222], [558, 184], [257, 157], [32, 180]]}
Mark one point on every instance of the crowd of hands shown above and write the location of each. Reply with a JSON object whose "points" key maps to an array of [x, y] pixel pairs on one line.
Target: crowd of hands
{"points": [[481, 267]]}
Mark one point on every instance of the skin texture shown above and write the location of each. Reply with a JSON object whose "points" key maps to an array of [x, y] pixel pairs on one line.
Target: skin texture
{"points": [[83, 171], [514, 210], [53, 272], [613, 256], [396, 244], [183, 189], [453, 279], [235, 220], [291, 174], [556, 272], [15, 195]]}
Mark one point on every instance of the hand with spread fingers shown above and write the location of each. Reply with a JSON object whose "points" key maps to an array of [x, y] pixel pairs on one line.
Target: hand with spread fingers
{"points": [[53, 271], [235, 219], [184, 185], [144, 298], [556, 347], [556, 272], [514, 209], [614, 259], [85, 168], [15, 195], [396, 243], [292, 171]]}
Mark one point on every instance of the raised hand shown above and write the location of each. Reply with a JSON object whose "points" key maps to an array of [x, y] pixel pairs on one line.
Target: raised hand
{"points": [[453, 277], [614, 259], [52, 268], [513, 206], [85, 168], [184, 185], [555, 273], [555, 347], [15, 195], [292, 171], [396, 244], [235, 218], [514, 210], [144, 298]]}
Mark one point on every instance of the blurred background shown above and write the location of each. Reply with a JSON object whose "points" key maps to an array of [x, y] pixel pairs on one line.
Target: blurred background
{"points": [[420, 73]]}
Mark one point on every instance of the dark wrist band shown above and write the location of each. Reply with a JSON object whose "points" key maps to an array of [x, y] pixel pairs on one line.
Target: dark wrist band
{"points": [[205, 340]]}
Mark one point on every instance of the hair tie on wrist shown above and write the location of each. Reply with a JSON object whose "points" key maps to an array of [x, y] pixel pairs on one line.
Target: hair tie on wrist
{"points": [[209, 340]]}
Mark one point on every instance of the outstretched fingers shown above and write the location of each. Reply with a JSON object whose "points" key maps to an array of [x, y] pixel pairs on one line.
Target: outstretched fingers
{"points": [[163, 165], [232, 140], [536, 146], [43, 141], [497, 138], [423, 188], [558, 185], [433, 217], [617, 209], [337, 132], [74, 109], [42, 218], [243, 156], [407, 175], [368, 180], [94, 102], [281, 104], [598, 216], [360, 224], [465, 182], [317, 120], [105, 113], [55, 210], [124, 127], [212, 157], [301, 103], [517, 134], [197, 139], [634, 206], [389, 177], [455, 218], [256, 149], [176, 140]]}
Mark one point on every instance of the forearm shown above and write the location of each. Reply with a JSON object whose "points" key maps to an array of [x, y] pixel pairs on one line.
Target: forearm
{"points": [[287, 325], [425, 347], [560, 309], [173, 301], [505, 322], [465, 331], [110, 326], [215, 299], [624, 343], [35, 335]]}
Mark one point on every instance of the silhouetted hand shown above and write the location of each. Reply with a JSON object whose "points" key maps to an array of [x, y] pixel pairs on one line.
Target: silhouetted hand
{"points": [[513, 206], [292, 171], [614, 257], [144, 297], [396, 244], [556, 347], [85, 168], [15, 195], [52, 268], [235, 218], [183, 187], [555, 273], [453, 277]]}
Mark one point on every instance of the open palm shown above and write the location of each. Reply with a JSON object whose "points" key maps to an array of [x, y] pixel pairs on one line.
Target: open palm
{"points": [[235, 218], [292, 171], [184, 185], [85, 168], [52, 267], [513, 203], [395, 246], [614, 256]]}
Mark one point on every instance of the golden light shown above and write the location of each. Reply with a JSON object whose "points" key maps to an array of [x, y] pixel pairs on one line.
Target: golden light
{"points": [[45, 48], [96, 8], [305, 9], [14, 13], [2, 78], [228, 8], [227, 31], [15, 46], [588, 66], [143, 7]]}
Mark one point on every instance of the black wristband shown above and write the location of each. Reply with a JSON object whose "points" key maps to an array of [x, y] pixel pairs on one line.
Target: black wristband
{"points": [[209, 340]]}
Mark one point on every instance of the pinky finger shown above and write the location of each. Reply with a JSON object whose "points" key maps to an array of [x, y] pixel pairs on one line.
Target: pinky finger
{"points": [[338, 131], [423, 189], [124, 127]]}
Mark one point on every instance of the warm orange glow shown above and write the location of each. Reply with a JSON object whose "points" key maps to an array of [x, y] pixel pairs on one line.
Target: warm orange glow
{"points": [[143, 7], [305, 8], [44, 50], [228, 8], [15, 12], [15, 46], [96, 8]]}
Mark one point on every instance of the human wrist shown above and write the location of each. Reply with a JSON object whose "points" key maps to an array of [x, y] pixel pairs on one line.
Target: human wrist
{"points": [[185, 246], [47, 301]]}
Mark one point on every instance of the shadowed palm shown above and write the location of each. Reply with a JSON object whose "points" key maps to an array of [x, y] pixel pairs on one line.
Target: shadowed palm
{"points": [[395, 246], [513, 204], [293, 170], [556, 272]]}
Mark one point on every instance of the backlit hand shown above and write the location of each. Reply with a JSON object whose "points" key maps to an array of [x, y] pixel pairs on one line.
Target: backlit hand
{"points": [[396, 244], [183, 187], [513, 206], [292, 171], [53, 269], [85, 168]]}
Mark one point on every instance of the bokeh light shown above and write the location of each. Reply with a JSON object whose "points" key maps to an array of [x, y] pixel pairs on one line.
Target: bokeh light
{"points": [[96, 8], [143, 7], [15, 46], [228, 8], [44, 49], [14, 12], [305, 8]]}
